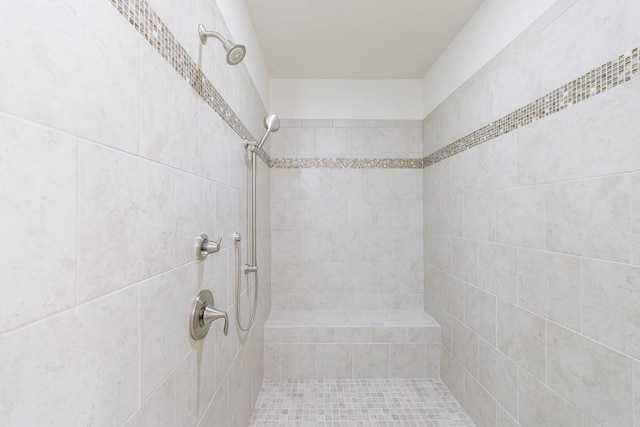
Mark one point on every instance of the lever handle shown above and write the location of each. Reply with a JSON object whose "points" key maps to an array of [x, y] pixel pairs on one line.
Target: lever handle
{"points": [[204, 314], [212, 314], [205, 247]]}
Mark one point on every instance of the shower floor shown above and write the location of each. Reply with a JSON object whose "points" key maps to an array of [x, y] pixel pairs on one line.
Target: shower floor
{"points": [[366, 403]]}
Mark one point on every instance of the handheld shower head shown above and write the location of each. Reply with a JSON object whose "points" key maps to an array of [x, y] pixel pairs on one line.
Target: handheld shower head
{"points": [[235, 52], [272, 124]]}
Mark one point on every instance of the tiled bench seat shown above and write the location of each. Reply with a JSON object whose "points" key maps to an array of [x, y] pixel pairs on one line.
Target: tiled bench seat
{"points": [[323, 344]]}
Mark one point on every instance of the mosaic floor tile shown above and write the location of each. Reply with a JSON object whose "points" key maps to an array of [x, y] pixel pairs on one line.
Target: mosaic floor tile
{"points": [[362, 403]]}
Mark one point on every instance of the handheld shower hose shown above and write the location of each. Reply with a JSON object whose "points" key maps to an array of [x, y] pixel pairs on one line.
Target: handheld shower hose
{"points": [[272, 124]]}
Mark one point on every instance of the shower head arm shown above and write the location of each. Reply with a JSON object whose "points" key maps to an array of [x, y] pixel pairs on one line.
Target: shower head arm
{"points": [[204, 35]]}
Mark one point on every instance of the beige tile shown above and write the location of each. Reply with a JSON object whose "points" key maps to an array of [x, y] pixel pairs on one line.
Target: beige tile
{"points": [[636, 390], [520, 217], [36, 207], [168, 130], [497, 270], [164, 339], [595, 379], [285, 184], [217, 413], [271, 361], [441, 179], [465, 347], [503, 419], [213, 145], [334, 361], [611, 305], [549, 150], [448, 216], [371, 361], [441, 255], [521, 336], [85, 368], [591, 218], [94, 95], [499, 375], [297, 361], [479, 404], [453, 375], [465, 260], [480, 216], [157, 410], [635, 220], [127, 204], [196, 199], [541, 406], [187, 381], [549, 285], [480, 312], [331, 142], [434, 360], [407, 360]]}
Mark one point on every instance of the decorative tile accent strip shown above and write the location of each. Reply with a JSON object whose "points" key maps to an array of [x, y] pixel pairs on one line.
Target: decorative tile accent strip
{"points": [[612, 74], [347, 163], [140, 15], [264, 156]]}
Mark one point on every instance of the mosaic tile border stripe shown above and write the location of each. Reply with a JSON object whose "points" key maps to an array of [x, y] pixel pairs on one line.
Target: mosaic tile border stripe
{"points": [[608, 76], [145, 20], [346, 163], [600, 79]]}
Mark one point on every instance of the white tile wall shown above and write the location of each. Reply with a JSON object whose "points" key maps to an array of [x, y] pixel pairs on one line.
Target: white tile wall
{"points": [[346, 238], [543, 243], [110, 165]]}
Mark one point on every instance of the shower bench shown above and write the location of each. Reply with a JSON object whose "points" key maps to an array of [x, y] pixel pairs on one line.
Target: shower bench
{"points": [[340, 344]]}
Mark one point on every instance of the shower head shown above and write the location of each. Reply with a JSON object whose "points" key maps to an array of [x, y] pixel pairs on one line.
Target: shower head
{"points": [[235, 52], [272, 124]]}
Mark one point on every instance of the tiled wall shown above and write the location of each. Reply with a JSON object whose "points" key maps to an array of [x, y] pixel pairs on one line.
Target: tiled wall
{"points": [[532, 262], [346, 238], [110, 165]]}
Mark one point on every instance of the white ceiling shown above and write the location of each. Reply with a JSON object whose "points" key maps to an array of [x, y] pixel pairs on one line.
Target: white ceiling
{"points": [[356, 39]]}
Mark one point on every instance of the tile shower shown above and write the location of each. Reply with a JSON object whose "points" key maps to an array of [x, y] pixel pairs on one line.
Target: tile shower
{"points": [[492, 248]]}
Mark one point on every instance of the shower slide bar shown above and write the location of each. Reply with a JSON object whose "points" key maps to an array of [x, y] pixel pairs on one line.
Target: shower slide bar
{"points": [[272, 124]]}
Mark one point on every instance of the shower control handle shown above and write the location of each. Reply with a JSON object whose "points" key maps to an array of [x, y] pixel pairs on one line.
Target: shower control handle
{"points": [[204, 314], [211, 314], [205, 247]]}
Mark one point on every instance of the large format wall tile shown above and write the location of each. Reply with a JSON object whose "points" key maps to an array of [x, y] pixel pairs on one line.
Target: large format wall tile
{"points": [[479, 403], [497, 270], [83, 364], [591, 217], [126, 219], [541, 406], [521, 336], [168, 131], [480, 312], [550, 197], [594, 378], [94, 94], [164, 337], [499, 376], [37, 239], [611, 305], [549, 285], [520, 215]]}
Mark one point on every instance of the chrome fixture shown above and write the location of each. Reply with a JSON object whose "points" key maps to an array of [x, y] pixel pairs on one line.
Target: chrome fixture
{"points": [[204, 247], [272, 124], [204, 314], [235, 52]]}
